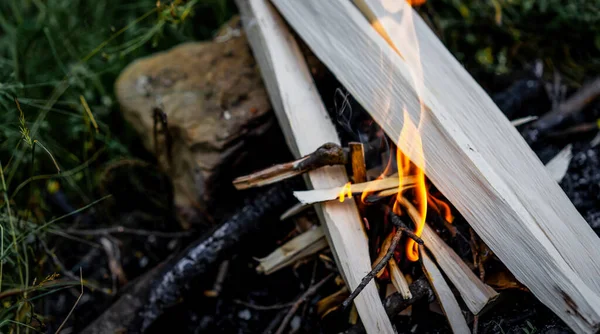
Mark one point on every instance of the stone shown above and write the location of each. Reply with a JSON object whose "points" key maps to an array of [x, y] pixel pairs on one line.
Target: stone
{"points": [[207, 98]]}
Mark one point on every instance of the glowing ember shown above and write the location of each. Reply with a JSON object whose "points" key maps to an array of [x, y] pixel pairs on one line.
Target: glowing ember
{"points": [[416, 2], [346, 191]]}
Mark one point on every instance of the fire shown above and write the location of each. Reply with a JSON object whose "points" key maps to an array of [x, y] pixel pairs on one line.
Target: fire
{"points": [[407, 168], [403, 31], [346, 191], [441, 207], [416, 2]]}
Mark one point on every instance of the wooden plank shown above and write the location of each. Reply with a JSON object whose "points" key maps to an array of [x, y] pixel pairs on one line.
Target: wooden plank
{"points": [[475, 293], [473, 154], [307, 126], [445, 297]]}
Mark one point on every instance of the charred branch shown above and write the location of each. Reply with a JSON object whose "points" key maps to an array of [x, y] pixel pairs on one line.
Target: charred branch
{"points": [[212, 248]]}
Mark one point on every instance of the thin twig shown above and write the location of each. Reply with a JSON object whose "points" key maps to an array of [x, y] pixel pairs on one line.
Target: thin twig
{"points": [[263, 307], [382, 263], [75, 305], [126, 230], [311, 291], [326, 155], [401, 228]]}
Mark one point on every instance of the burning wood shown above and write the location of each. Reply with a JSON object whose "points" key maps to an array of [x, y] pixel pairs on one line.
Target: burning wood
{"points": [[383, 187], [474, 156], [382, 261], [306, 244], [476, 294]]}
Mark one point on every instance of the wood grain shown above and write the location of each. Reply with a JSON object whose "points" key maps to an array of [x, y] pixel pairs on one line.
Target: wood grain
{"points": [[473, 155], [307, 126]]}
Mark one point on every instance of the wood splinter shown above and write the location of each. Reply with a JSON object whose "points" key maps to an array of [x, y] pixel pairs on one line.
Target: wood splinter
{"points": [[398, 279], [306, 244], [328, 154]]}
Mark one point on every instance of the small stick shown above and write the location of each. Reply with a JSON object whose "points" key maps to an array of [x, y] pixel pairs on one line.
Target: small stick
{"points": [[523, 120], [330, 194], [400, 228], [326, 155], [385, 246], [311, 291], [74, 305], [476, 294], [359, 167], [398, 279], [218, 286]]}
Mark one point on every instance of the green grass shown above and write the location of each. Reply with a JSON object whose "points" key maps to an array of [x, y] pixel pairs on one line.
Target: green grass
{"points": [[58, 63], [499, 36]]}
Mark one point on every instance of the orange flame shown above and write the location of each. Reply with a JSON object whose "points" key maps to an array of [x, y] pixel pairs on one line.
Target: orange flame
{"points": [[441, 207], [416, 2], [346, 191], [406, 168], [398, 30], [403, 31]]}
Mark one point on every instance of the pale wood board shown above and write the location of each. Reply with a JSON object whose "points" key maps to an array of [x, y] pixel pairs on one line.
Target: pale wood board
{"points": [[328, 194], [306, 126], [474, 156], [475, 293], [445, 296]]}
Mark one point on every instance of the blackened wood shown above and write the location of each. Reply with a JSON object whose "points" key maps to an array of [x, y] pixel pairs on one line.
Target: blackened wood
{"points": [[567, 109], [213, 247]]}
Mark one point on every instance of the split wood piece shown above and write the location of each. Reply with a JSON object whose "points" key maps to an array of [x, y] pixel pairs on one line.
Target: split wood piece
{"points": [[523, 120], [398, 279], [357, 157], [475, 157], [306, 244], [330, 194], [306, 126], [294, 210], [558, 166], [444, 296], [476, 294], [328, 154]]}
